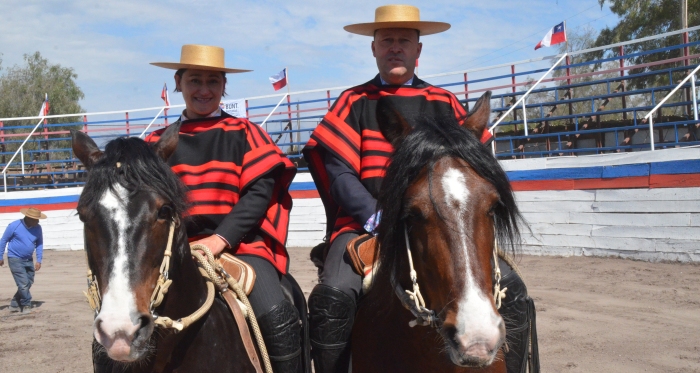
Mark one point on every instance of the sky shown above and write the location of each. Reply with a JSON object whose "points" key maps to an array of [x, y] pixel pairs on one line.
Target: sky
{"points": [[109, 44]]}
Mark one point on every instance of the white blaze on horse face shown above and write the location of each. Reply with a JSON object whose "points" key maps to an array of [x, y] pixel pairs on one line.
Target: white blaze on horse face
{"points": [[118, 311], [477, 323]]}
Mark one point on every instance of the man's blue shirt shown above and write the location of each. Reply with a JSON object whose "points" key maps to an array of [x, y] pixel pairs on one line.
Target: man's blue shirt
{"points": [[22, 241]]}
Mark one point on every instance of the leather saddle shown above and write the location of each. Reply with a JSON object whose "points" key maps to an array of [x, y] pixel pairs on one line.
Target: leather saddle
{"points": [[363, 252], [239, 270]]}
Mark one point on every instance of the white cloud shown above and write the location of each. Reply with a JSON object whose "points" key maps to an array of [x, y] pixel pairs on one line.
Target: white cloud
{"points": [[109, 44]]}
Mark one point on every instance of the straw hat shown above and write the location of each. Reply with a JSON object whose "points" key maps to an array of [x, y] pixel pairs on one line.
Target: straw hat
{"points": [[397, 16], [33, 213], [202, 57]]}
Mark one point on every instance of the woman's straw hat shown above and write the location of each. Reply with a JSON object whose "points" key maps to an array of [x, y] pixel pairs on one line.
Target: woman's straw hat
{"points": [[33, 213], [202, 57], [397, 16]]}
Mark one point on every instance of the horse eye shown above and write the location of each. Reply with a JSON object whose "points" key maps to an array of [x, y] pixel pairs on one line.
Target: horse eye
{"points": [[165, 212]]}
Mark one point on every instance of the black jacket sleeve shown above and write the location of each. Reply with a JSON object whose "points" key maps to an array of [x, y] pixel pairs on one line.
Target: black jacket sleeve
{"points": [[347, 190], [246, 214]]}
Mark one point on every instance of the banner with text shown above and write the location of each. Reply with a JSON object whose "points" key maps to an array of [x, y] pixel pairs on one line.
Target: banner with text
{"points": [[234, 107]]}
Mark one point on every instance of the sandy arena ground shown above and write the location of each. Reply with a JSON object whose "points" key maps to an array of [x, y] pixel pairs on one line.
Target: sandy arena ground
{"points": [[593, 315]]}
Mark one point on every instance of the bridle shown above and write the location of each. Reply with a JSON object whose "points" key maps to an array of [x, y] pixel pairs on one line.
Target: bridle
{"points": [[161, 289], [414, 302]]}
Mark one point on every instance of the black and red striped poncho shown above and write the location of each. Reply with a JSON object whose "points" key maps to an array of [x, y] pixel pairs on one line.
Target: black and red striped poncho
{"points": [[350, 132], [219, 159]]}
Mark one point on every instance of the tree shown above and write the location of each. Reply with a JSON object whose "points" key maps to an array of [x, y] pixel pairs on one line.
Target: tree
{"points": [[642, 18], [22, 90]]}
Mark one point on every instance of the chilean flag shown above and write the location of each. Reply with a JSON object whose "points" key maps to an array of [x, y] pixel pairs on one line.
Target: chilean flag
{"points": [[555, 36], [44, 107], [279, 80], [164, 95]]}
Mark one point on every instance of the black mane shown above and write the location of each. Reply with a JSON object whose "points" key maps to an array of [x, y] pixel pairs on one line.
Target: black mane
{"points": [[431, 140], [140, 168]]}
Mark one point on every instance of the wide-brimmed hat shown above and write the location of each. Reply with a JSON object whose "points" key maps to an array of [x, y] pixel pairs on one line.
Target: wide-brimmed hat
{"points": [[202, 57], [397, 16], [33, 213]]}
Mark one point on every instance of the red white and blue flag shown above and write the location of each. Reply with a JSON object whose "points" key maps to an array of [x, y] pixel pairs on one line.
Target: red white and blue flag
{"points": [[44, 107], [164, 95], [279, 80], [555, 36]]}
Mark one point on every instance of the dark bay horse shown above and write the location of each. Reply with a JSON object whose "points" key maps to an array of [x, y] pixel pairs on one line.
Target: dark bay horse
{"points": [[129, 203], [445, 201]]}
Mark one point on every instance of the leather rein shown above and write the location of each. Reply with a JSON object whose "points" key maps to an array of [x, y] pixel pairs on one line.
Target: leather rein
{"points": [[414, 302]]}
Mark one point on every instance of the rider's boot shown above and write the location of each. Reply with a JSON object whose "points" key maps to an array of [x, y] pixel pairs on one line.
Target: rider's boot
{"points": [[331, 315], [281, 332], [518, 312]]}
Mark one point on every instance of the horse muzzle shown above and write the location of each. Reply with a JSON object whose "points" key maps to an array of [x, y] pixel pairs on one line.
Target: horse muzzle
{"points": [[473, 352], [124, 341]]}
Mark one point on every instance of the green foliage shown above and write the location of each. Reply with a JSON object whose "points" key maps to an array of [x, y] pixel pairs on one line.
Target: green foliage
{"points": [[22, 90], [642, 18]]}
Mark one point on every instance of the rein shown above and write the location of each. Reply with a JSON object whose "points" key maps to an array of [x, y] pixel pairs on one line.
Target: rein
{"points": [[414, 302]]}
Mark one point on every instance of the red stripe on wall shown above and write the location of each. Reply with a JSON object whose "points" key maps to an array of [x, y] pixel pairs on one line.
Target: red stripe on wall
{"points": [[674, 181], [615, 183], [50, 207], [304, 194]]}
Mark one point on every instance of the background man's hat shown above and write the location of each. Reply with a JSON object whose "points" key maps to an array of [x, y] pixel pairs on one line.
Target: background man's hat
{"points": [[202, 57], [397, 16], [33, 213]]}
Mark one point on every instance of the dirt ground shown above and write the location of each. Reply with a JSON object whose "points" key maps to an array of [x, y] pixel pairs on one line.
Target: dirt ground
{"points": [[593, 315]]}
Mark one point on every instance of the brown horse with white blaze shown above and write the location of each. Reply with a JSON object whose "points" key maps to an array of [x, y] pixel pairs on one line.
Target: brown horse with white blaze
{"points": [[132, 206], [445, 201]]}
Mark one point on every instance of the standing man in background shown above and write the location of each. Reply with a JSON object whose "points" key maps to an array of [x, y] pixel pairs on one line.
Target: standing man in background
{"points": [[24, 236]]}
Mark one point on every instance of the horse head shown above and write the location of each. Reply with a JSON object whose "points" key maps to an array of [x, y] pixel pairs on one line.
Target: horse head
{"points": [[130, 202], [446, 199]]}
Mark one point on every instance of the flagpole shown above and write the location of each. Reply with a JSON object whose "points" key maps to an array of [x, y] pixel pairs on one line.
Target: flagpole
{"points": [[567, 38], [167, 102]]}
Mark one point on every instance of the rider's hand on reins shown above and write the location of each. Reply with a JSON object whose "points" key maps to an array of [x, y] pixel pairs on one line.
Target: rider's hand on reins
{"points": [[215, 243]]}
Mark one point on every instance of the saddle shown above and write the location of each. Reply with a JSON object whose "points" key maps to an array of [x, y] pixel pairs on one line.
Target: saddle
{"points": [[363, 252], [239, 270]]}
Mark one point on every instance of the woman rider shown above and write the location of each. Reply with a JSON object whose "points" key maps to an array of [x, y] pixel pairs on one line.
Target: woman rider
{"points": [[238, 181]]}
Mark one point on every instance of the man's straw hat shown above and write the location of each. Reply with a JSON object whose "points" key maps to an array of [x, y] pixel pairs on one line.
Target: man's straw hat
{"points": [[397, 16], [201, 57], [33, 213]]}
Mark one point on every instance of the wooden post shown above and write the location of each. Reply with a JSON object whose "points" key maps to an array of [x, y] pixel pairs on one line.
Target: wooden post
{"points": [[466, 87], [127, 124], [85, 124], [247, 115], [328, 95]]}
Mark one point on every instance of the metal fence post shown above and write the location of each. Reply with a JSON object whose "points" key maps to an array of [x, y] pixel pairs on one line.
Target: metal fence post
{"points": [[622, 74], [127, 124]]}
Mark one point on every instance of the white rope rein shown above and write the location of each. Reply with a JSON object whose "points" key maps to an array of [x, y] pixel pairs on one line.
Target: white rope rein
{"points": [[414, 302]]}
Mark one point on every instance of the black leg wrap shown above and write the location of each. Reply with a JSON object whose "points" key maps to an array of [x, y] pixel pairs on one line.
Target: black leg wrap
{"points": [[331, 315], [518, 312], [282, 335]]}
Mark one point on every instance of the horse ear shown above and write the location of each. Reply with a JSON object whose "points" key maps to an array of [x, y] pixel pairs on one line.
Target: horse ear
{"points": [[393, 125], [85, 148], [478, 117], [168, 142]]}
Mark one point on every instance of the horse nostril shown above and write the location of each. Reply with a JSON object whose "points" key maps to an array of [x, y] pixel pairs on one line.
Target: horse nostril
{"points": [[145, 327]]}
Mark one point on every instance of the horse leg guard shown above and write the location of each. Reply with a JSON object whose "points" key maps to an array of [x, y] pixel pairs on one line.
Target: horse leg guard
{"points": [[331, 315], [518, 312], [281, 332]]}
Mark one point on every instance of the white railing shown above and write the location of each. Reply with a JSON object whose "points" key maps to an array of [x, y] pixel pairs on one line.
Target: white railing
{"points": [[20, 150], [650, 115], [522, 100]]}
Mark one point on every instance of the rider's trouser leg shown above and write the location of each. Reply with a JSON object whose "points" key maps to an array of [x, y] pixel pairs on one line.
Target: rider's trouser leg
{"points": [[277, 317], [332, 306], [515, 311]]}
